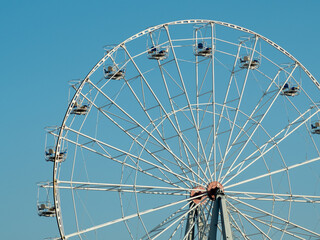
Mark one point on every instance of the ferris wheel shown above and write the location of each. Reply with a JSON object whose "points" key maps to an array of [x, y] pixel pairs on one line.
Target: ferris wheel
{"points": [[193, 129]]}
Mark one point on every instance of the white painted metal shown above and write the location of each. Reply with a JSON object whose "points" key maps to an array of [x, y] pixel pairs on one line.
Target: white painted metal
{"points": [[189, 127]]}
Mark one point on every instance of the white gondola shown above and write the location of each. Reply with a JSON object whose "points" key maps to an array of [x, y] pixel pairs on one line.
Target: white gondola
{"points": [[112, 73], [158, 53], [289, 90], [79, 109], [315, 127], [50, 155], [46, 210], [44, 206], [202, 50], [246, 63]]}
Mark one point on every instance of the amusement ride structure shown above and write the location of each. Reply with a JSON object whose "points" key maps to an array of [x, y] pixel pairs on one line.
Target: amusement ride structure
{"points": [[193, 129]]}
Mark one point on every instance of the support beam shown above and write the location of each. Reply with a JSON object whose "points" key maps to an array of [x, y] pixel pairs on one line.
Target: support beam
{"points": [[214, 194], [220, 206]]}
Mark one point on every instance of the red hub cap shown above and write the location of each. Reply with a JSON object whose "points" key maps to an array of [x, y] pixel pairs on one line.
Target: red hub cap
{"points": [[213, 188], [198, 191]]}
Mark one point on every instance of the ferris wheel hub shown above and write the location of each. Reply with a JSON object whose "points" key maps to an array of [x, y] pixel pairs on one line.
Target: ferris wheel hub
{"points": [[198, 191], [213, 189]]}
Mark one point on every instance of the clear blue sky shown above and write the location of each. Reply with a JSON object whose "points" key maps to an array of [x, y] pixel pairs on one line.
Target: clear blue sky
{"points": [[44, 44]]}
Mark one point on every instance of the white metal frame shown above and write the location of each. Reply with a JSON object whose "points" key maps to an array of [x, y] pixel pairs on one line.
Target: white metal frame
{"points": [[196, 166]]}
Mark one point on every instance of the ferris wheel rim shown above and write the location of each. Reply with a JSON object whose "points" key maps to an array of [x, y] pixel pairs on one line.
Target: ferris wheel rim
{"points": [[102, 60], [201, 21]]}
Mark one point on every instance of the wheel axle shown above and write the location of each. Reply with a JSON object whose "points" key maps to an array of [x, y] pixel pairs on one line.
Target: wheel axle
{"points": [[213, 189]]}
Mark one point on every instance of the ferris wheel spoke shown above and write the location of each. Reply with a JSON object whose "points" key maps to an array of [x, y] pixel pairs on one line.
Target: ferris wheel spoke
{"points": [[273, 172], [258, 123], [177, 228], [197, 96], [125, 218], [214, 144], [137, 168], [155, 127], [209, 142], [163, 109], [199, 121], [237, 227], [216, 128], [185, 148], [285, 221], [271, 225], [179, 218], [309, 133], [188, 145], [246, 134], [143, 107], [258, 107], [274, 142], [237, 109], [278, 197], [189, 104], [143, 128], [176, 119], [141, 189], [228, 89], [168, 220], [248, 220], [241, 223], [231, 77]]}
